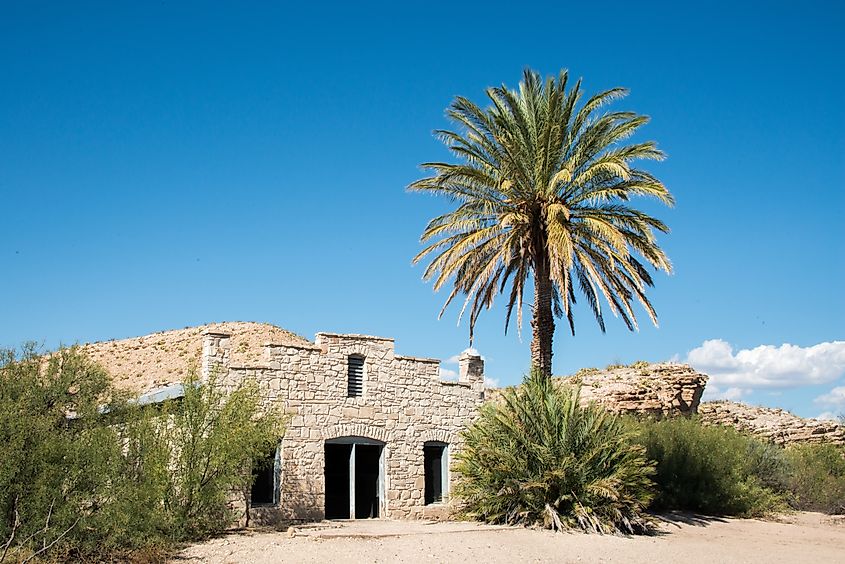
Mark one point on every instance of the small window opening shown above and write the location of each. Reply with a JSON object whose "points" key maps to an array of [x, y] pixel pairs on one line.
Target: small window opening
{"points": [[435, 462], [264, 480], [355, 381]]}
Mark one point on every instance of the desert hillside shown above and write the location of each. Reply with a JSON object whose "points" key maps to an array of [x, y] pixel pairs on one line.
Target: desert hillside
{"points": [[143, 363]]}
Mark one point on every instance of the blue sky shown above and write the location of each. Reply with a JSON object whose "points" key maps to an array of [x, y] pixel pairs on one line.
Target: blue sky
{"points": [[171, 164]]}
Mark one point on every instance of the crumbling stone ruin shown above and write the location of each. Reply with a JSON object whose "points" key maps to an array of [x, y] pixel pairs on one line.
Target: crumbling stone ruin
{"points": [[371, 434], [777, 425]]}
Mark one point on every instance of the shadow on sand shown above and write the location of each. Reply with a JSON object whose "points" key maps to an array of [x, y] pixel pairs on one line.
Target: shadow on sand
{"points": [[679, 518]]}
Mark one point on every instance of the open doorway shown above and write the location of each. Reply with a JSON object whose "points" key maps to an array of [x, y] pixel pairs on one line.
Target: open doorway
{"points": [[354, 472]]}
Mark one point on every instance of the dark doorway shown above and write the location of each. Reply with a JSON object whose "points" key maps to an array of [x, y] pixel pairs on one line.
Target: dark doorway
{"points": [[434, 459], [337, 480], [366, 481], [354, 480], [263, 490]]}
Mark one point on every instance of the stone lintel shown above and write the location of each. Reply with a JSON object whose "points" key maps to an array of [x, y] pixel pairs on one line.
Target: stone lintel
{"points": [[418, 359], [210, 333], [290, 346], [454, 383], [354, 336]]}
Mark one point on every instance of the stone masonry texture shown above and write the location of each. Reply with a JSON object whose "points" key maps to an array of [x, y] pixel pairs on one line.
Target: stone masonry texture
{"points": [[404, 405]]}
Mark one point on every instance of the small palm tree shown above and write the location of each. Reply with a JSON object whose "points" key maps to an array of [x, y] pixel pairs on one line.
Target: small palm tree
{"points": [[536, 457], [543, 190]]}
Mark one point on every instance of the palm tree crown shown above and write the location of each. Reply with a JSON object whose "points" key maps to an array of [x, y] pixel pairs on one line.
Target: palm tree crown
{"points": [[542, 191]]}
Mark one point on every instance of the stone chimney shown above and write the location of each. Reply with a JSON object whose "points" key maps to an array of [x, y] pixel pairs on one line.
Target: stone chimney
{"points": [[471, 369], [215, 353]]}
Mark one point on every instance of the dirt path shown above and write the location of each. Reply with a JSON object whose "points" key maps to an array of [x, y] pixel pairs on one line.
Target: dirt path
{"points": [[803, 537]]}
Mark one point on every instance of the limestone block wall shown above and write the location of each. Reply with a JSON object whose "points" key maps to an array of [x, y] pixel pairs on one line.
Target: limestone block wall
{"points": [[776, 425], [404, 404]]}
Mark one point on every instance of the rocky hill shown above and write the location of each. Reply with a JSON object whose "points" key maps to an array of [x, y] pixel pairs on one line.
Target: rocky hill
{"points": [[776, 425], [653, 389]]}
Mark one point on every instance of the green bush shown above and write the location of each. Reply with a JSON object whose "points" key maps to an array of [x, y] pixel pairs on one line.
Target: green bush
{"points": [[54, 456], [216, 438], [537, 458], [86, 474], [817, 477], [714, 470]]}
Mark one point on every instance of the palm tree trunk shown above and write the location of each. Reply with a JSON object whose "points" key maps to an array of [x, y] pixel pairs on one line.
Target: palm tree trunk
{"points": [[542, 321]]}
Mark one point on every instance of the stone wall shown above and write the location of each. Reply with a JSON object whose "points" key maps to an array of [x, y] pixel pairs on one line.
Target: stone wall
{"points": [[776, 425], [404, 404], [653, 389]]}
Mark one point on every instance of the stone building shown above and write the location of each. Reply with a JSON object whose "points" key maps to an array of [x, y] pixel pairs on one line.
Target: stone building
{"points": [[371, 432]]}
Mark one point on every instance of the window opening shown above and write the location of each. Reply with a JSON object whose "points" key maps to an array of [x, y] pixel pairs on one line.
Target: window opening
{"points": [[265, 480], [435, 463]]}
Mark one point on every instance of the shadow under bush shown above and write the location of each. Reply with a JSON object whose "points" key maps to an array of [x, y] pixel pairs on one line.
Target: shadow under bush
{"points": [[537, 458]]}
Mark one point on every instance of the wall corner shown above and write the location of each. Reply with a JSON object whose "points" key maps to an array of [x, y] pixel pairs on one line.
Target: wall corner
{"points": [[215, 353]]}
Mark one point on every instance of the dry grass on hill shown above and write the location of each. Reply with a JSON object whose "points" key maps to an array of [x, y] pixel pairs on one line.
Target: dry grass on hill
{"points": [[143, 363]]}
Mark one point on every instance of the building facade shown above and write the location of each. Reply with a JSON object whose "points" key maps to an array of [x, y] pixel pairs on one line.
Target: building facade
{"points": [[371, 433]]}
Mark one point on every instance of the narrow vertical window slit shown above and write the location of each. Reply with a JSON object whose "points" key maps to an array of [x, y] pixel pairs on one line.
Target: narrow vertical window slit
{"points": [[355, 377]]}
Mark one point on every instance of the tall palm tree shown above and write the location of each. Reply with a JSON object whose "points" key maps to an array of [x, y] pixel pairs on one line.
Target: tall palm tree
{"points": [[542, 187]]}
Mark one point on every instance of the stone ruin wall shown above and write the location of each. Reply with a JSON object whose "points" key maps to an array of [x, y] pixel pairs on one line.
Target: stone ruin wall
{"points": [[776, 425], [404, 404]]}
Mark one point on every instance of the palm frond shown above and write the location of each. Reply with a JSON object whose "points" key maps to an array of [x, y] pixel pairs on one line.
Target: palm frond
{"points": [[544, 180]]}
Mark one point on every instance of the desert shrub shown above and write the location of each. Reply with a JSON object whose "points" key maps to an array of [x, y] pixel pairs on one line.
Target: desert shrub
{"points": [[537, 458], [217, 437], [817, 477], [86, 474], [132, 515], [54, 455], [712, 469], [770, 465]]}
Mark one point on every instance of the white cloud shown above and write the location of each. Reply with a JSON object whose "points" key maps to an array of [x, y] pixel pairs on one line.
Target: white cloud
{"points": [[766, 366], [827, 416], [456, 357], [491, 382], [835, 397], [447, 374]]}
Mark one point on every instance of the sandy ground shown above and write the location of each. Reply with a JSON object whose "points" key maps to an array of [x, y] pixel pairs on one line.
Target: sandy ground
{"points": [[802, 537]]}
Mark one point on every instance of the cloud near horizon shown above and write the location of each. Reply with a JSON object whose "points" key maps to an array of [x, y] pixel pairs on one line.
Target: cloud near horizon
{"points": [[737, 374], [835, 397]]}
